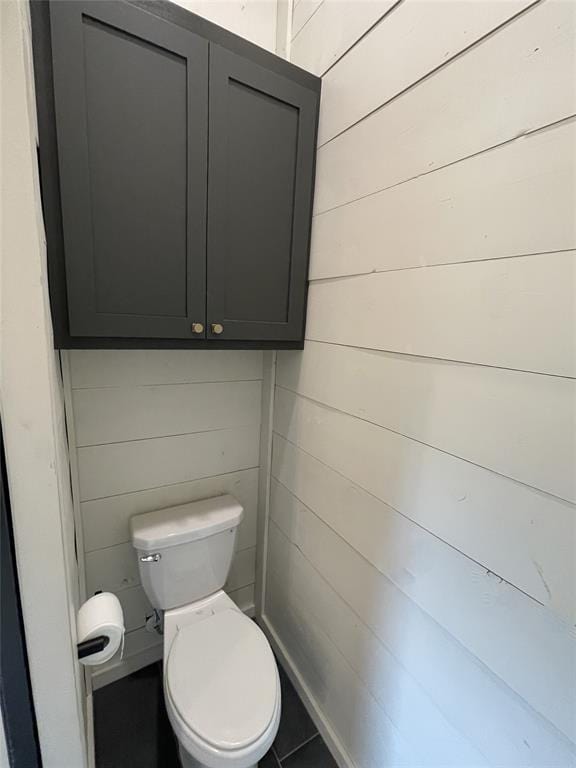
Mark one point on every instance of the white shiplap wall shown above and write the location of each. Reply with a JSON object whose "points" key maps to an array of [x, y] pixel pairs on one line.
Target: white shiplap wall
{"points": [[421, 573], [254, 20], [153, 429]]}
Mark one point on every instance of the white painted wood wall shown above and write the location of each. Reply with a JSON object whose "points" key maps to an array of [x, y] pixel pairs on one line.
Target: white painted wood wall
{"points": [[254, 20], [32, 416], [152, 429], [421, 575]]}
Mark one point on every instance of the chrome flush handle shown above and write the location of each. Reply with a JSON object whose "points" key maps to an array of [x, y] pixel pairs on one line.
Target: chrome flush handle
{"points": [[151, 558]]}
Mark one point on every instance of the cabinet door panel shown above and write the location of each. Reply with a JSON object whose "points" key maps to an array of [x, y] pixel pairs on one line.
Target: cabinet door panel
{"points": [[131, 100], [261, 155]]}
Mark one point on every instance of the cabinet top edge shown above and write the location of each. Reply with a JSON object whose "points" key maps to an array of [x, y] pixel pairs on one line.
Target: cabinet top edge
{"points": [[176, 14]]}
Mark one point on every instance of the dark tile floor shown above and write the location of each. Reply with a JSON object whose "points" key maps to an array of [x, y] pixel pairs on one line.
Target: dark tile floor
{"points": [[132, 728]]}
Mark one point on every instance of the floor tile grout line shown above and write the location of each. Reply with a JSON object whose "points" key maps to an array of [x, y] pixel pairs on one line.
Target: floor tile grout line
{"points": [[296, 749]]}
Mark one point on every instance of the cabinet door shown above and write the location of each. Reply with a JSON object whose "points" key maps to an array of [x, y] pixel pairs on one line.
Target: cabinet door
{"points": [[260, 179], [131, 100]]}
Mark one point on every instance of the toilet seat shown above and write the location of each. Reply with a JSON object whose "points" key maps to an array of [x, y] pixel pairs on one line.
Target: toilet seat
{"points": [[222, 689]]}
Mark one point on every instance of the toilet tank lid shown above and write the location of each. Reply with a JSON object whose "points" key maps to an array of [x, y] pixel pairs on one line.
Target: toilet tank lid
{"points": [[184, 523]]}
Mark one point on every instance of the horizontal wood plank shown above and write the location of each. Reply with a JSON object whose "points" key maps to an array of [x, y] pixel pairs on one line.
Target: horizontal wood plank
{"points": [[502, 313], [402, 701], [458, 502], [117, 414], [332, 30], [116, 568], [482, 708], [243, 597], [302, 13], [370, 737], [497, 418], [135, 606], [107, 470], [121, 368], [524, 76], [517, 199], [242, 570], [498, 624], [112, 569], [421, 547], [407, 45], [107, 521]]}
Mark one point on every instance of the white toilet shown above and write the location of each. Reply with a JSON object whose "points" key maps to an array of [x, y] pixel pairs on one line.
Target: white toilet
{"points": [[221, 683]]}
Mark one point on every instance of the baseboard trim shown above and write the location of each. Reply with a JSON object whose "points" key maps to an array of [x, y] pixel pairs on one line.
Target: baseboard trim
{"points": [[332, 741]]}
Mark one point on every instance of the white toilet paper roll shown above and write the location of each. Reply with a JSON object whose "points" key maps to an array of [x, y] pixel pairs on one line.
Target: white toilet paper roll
{"points": [[101, 615]]}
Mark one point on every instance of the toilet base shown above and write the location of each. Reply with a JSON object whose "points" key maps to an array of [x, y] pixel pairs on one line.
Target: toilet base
{"points": [[187, 761]]}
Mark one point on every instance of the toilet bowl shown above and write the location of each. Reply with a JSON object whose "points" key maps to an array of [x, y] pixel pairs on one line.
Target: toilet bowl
{"points": [[221, 684]]}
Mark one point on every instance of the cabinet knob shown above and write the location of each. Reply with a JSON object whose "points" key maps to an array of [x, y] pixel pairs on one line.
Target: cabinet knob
{"points": [[217, 328], [197, 328]]}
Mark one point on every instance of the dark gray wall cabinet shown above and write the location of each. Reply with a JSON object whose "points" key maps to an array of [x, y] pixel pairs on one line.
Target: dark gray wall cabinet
{"points": [[177, 172]]}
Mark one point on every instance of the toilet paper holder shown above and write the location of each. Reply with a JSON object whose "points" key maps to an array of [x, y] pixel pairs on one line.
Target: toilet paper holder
{"points": [[93, 645]]}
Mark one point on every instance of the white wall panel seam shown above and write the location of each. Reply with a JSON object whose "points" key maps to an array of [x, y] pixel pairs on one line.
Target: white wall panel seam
{"points": [[129, 541], [418, 525], [524, 75], [500, 313], [364, 34], [333, 30], [168, 485], [457, 502], [421, 442], [165, 384], [308, 19], [442, 359], [451, 406], [428, 74], [161, 436], [128, 368], [498, 145], [334, 278], [516, 200]]}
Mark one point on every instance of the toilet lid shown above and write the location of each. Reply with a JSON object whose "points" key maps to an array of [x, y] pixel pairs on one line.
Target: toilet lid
{"points": [[221, 677]]}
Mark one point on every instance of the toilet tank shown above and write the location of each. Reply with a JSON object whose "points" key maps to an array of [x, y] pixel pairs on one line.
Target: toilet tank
{"points": [[184, 553]]}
